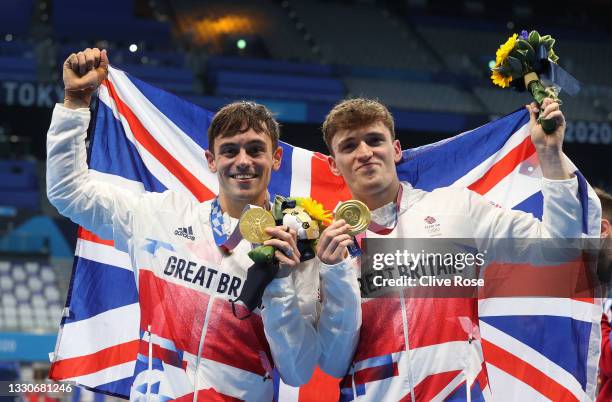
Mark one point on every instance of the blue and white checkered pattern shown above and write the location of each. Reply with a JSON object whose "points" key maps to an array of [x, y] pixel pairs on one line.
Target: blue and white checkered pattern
{"points": [[216, 221]]}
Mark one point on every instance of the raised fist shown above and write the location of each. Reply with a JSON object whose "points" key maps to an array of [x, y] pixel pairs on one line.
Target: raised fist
{"points": [[83, 73]]}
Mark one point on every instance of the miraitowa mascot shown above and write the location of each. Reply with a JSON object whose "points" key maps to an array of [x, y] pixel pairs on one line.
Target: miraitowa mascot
{"points": [[308, 218]]}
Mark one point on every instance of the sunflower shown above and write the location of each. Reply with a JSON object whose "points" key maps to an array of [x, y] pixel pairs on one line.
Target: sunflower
{"points": [[500, 57], [316, 210], [500, 79], [504, 50]]}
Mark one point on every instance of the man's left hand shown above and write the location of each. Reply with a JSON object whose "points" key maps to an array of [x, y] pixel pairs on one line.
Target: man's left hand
{"points": [[285, 242]]}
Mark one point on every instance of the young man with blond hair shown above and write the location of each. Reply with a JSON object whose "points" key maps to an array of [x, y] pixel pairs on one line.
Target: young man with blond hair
{"points": [[405, 343]]}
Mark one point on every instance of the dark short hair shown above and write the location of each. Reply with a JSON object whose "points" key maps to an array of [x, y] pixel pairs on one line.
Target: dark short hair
{"points": [[353, 113], [606, 203], [239, 117]]}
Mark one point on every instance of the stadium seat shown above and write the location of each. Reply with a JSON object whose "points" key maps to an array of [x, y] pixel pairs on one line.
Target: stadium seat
{"points": [[31, 268], [10, 312], [10, 322], [19, 274], [47, 274], [22, 293], [8, 299], [35, 284], [29, 297], [4, 266], [39, 301], [52, 294], [6, 284], [24, 310]]}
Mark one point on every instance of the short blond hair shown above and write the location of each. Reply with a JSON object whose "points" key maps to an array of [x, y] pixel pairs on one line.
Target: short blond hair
{"points": [[354, 113]]}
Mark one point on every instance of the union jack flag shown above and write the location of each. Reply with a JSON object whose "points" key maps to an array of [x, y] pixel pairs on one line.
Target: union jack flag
{"points": [[147, 140]]}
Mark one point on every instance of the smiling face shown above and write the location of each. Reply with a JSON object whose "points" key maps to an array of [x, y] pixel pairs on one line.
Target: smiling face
{"points": [[366, 158], [243, 163], [243, 140]]}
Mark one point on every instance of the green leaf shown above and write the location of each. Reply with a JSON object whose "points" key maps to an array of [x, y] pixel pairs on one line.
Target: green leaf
{"points": [[548, 43], [515, 66], [519, 54], [537, 91], [502, 70], [524, 45], [534, 39]]}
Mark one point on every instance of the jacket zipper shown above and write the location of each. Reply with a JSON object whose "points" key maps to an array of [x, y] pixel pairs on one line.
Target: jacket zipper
{"points": [[395, 233], [150, 366], [407, 343], [203, 336]]}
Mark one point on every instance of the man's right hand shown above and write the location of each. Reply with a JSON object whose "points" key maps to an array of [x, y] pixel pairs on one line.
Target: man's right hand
{"points": [[333, 243], [83, 73]]}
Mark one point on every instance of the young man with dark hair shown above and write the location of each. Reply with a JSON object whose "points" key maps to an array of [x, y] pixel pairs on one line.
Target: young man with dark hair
{"points": [[405, 342], [191, 344]]}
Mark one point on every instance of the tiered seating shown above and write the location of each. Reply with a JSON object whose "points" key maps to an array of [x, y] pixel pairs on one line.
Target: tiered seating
{"points": [[500, 102], [252, 78], [587, 61], [503, 102], [174, 79], [29, 297], [16, 47], [19, 184], [362, 35], [113, 20], [164, 69], [464, 51], [120, 55], [414, 95], [582, 108], [606, 103], [14, 68], [150, 57], [17, 61], [469, 51]]}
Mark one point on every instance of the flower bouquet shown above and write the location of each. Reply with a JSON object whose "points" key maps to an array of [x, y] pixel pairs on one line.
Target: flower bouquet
{"points": [[528, 62]]}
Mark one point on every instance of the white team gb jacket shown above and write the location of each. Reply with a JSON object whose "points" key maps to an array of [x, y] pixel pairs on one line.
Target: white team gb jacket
{"points": [[427, 354]]}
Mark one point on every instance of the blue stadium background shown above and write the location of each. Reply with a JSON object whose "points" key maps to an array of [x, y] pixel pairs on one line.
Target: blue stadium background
{"points": [[428, 60]]}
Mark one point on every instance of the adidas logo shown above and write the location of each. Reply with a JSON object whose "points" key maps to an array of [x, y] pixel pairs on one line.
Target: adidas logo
{"points": [[185, 232]]}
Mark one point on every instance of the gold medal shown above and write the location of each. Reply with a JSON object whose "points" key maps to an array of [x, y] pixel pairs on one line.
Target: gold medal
{"points": [[356, 214], [253, 223]]}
